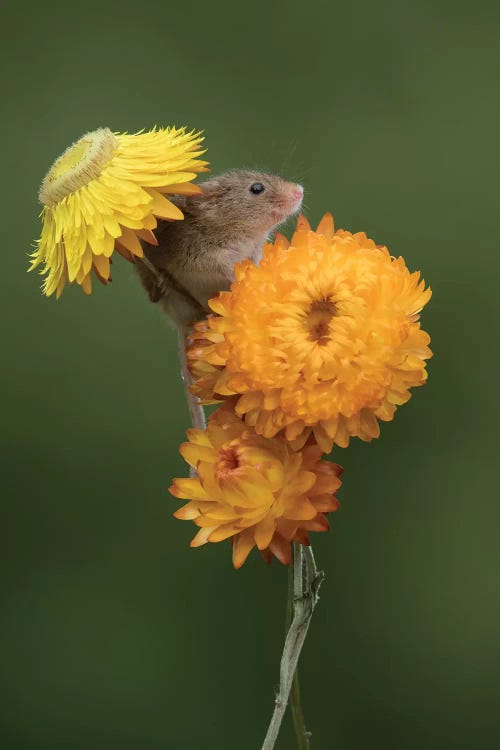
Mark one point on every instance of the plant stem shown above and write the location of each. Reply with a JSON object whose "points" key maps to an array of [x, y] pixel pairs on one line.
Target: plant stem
{"points": [[301, 732], [303, 588], [299, 722]]}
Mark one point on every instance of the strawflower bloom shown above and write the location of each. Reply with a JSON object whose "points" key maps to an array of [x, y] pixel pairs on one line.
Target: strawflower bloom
{"points": [[104, 193], [254, 490], [322, 336]]}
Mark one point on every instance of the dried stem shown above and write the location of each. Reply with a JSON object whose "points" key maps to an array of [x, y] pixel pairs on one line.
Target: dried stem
{"points": [[302, 598], [295, 699], [299, 722]]}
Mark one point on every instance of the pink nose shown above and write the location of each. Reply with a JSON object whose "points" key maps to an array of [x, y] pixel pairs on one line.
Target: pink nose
{"points": [[298, 192]]}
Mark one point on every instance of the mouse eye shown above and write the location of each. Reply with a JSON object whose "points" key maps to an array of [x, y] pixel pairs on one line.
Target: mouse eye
{"points": [[257, 188]]}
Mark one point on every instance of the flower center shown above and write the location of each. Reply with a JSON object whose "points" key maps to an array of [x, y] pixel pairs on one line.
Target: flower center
{"points": [[318, 320], [78, 165], [228, 462]]}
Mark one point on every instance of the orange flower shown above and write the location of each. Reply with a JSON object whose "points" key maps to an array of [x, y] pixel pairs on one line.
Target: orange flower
{"points": [[322, 336], [256, 491]]}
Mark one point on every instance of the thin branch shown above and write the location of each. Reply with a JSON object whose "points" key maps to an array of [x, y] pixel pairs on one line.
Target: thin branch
{"points": [[295, 698], [299, 722], [305, 585]]}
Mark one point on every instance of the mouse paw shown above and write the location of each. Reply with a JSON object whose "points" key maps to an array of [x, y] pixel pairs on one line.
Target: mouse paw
{"points": [[161, 287]]}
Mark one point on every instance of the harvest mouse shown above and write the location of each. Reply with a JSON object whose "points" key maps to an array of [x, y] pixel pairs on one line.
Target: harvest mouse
{"points": [[229, 221]]}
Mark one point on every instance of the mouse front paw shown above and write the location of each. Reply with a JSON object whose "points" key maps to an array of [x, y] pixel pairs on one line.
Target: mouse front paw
{"points": [[161, 286]]}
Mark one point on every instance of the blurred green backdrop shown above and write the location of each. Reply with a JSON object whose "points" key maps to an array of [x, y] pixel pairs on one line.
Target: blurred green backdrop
{"points": [[115, 634]]}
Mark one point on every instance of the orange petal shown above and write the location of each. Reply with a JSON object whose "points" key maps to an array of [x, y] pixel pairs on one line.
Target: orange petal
{"points": [[325, 503], [193, 454], [264, 532], [300, 509], [147, 235], [202, 536], [188, 489], [188, 512], [164, 208], [302, 224], [281, 242], [198, 437], [280, 549], [87, 284], [223, 532], [242, 545], [267, 555], [124, 252], [320, 523], [101, 265], [128, 239], [302, 537], [324, 441], [182, 188], [326, 226], [60, 286]]}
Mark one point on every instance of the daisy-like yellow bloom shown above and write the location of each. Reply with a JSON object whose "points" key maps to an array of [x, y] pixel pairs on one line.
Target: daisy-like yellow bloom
{"points": [[256, 491], [322, 336], [105, 192]]}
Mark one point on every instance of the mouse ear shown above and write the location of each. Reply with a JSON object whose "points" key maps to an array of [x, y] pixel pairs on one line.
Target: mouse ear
{"points": [[210, 188], [208, 198]]}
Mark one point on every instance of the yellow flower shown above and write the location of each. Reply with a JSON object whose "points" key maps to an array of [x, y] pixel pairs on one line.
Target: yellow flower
{"points": [[105, 192], [322, 336], [256, 491]]}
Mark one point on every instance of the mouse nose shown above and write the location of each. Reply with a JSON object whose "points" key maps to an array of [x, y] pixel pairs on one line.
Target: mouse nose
{"points": [[298, 192]]}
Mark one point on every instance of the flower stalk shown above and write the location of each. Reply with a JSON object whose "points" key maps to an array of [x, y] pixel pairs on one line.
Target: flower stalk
{"points": [[302, 734], [303, 593]]}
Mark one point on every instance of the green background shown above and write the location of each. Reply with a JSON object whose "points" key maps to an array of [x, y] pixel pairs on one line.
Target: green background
{"points": [[115, 634]]}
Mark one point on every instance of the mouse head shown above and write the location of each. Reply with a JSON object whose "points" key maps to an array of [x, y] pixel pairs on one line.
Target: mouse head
{"points": [[246, 200]]}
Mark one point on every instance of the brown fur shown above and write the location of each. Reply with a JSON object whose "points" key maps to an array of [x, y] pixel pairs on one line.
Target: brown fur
{"points": [[223, 225]]}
